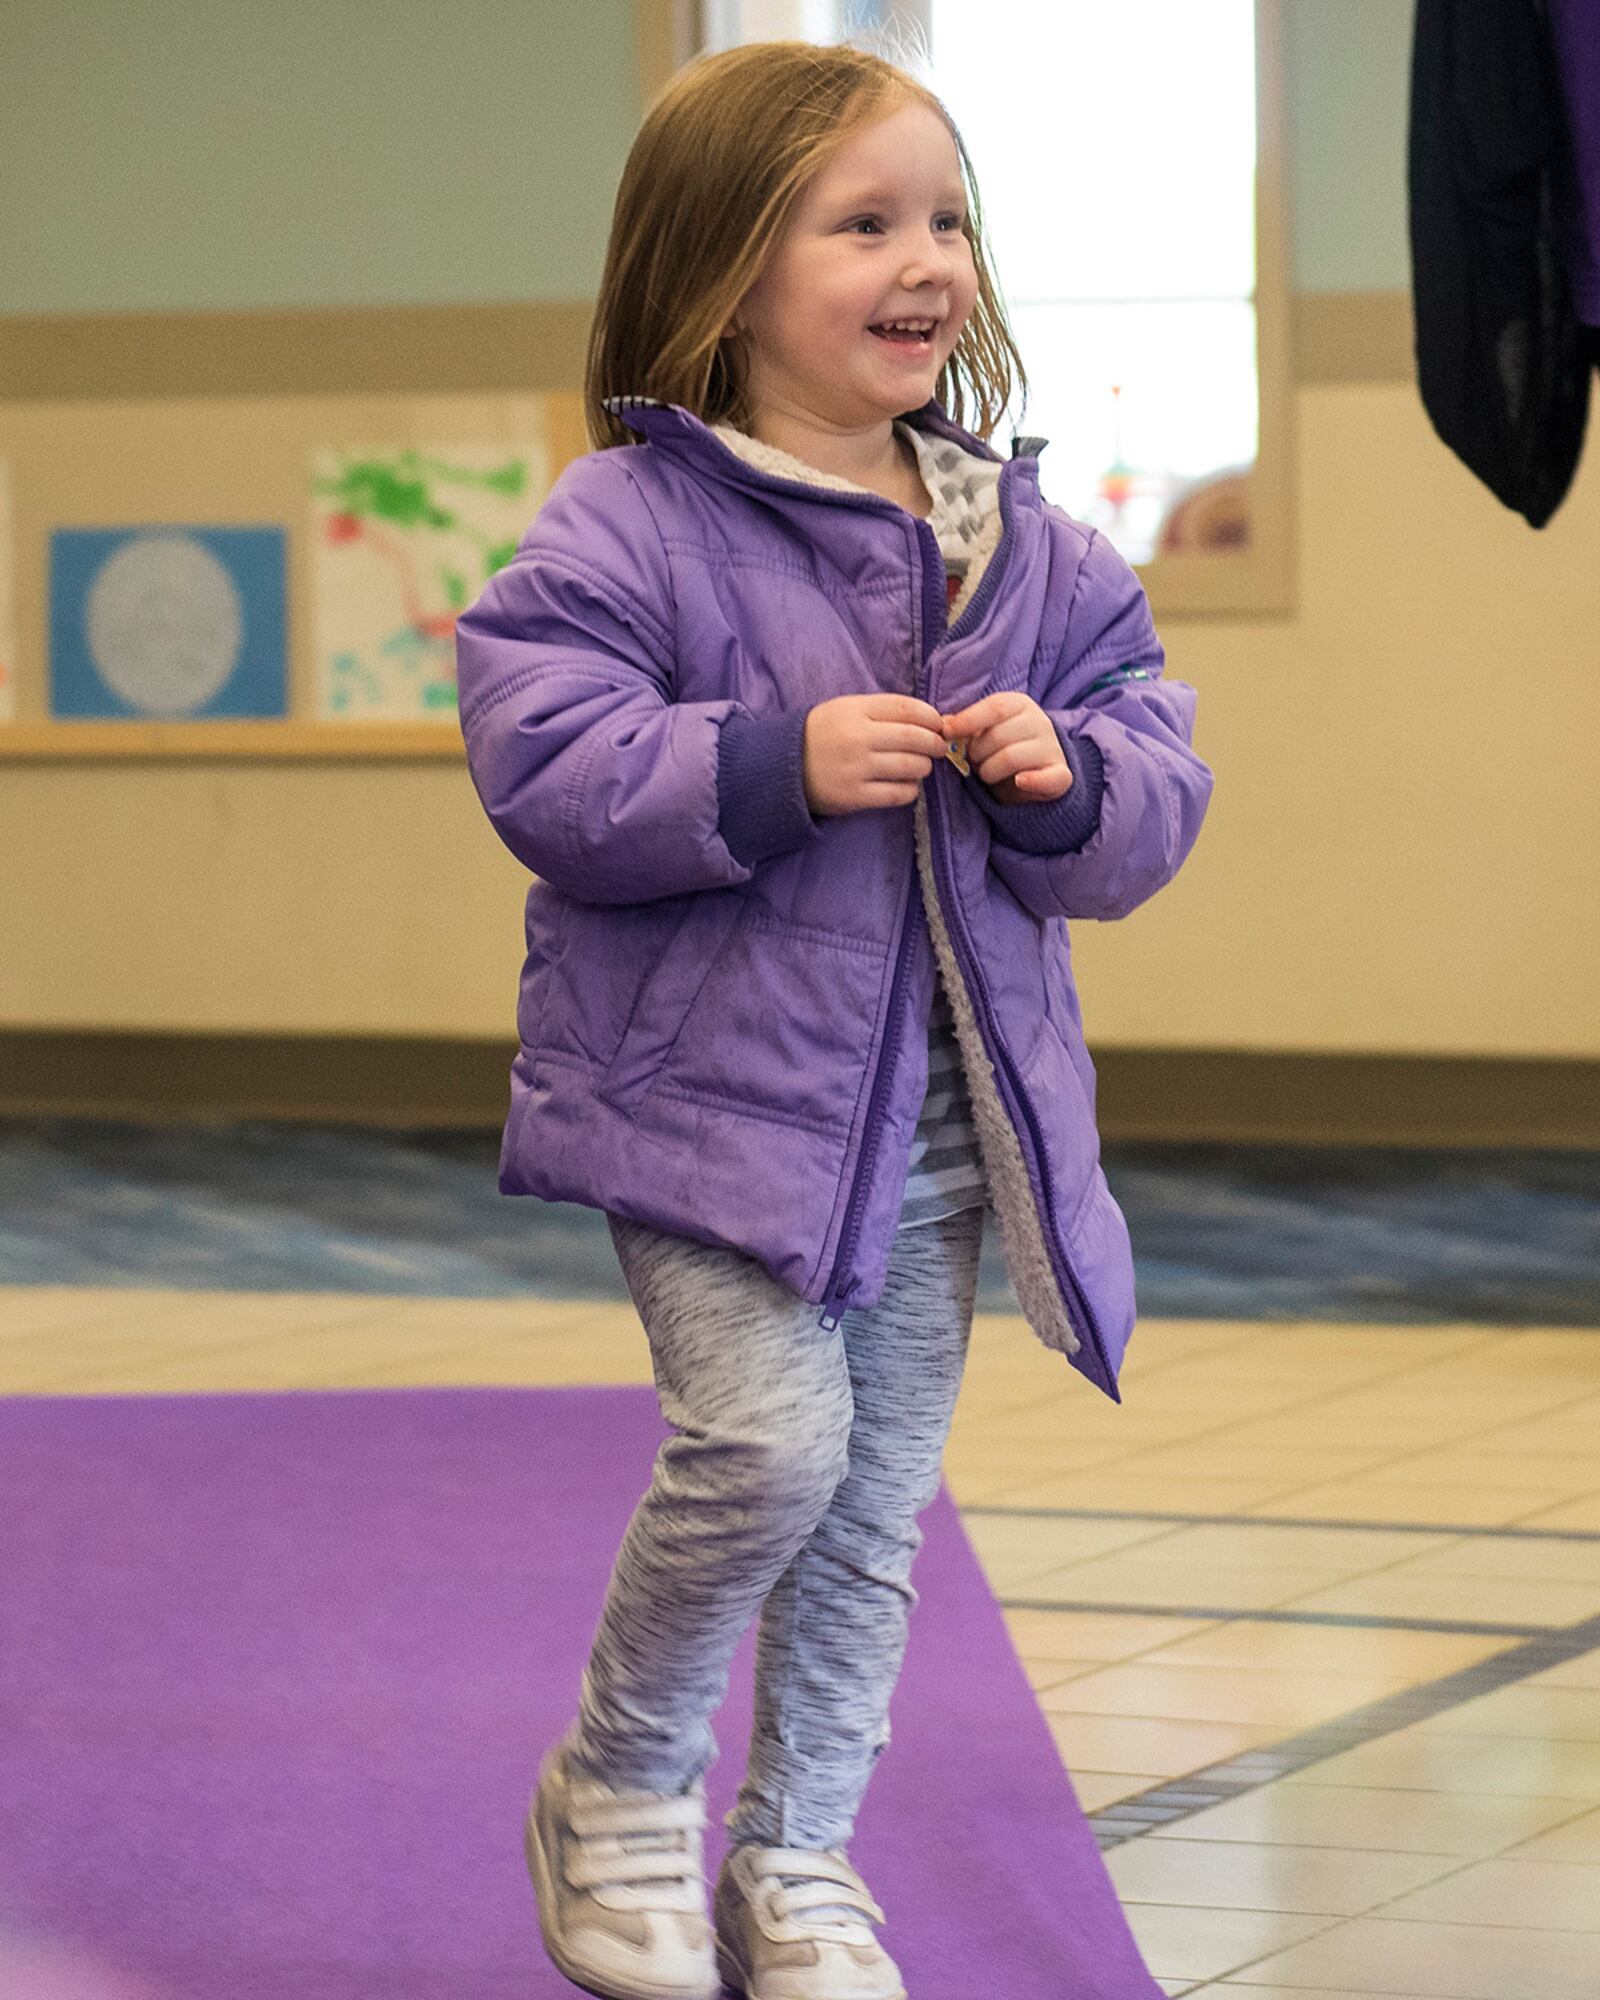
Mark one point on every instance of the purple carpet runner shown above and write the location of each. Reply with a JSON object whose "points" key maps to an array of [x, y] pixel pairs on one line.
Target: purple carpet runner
{"points": [[276, 1670]]}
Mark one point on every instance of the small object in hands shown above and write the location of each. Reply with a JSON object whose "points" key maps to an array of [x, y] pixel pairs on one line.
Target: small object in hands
{"points": [[956, 751]]}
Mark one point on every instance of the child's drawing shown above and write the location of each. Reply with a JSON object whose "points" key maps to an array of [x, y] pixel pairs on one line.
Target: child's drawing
{"points": [[404, 540]]}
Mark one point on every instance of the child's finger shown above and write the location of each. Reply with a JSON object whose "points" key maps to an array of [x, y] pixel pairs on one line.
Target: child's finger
{"points": [[965, 721], [981, 714]]}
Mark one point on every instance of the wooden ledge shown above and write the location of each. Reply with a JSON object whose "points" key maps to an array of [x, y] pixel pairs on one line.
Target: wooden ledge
{"points": [[49, 742]]}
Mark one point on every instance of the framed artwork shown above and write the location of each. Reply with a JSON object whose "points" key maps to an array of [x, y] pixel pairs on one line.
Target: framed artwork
{"points": [[265, 576], [402, 542], [167, 623]]}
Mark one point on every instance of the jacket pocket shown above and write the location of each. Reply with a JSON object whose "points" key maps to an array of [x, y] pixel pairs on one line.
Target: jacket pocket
{"points": [[780, 1026], [667, 994]]}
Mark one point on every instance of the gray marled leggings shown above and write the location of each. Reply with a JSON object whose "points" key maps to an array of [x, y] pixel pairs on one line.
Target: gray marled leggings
{"points": [[792, 1487]]}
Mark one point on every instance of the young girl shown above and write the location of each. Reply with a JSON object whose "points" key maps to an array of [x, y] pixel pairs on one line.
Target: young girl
{"points": [[814, 722]]}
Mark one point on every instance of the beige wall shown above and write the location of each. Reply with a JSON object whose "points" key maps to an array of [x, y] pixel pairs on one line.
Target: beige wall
{"points": [[1403, 851]]}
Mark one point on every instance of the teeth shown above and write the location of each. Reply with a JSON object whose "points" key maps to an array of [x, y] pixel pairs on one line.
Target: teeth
{"points": [[908, 325]]}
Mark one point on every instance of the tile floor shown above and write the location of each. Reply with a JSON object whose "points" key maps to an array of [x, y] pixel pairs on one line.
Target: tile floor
{"points": [[1284, 1524]]}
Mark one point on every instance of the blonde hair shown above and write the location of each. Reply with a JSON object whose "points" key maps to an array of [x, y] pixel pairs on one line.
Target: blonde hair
{"points": [[723, 155]]}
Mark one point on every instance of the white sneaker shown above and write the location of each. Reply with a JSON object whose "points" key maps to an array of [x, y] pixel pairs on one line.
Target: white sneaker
{"points": [[619, 1882], [794, 1923]]}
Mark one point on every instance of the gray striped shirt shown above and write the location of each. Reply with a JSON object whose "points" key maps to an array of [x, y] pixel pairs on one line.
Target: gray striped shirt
{"points": [[946, 1167]]}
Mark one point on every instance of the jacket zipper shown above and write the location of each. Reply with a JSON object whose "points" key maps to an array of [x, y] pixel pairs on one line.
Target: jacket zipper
{"points": [[933, 622], [838, 1296], [1072, 1292]]}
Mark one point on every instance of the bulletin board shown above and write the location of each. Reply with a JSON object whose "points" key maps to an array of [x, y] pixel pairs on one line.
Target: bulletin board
{"points": [[266, 576]]}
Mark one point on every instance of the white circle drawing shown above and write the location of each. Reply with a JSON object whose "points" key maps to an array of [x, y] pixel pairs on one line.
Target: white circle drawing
{"points": [[165, 624]]}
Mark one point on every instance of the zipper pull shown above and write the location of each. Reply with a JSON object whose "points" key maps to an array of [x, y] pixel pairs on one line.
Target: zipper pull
{"points": [[833, 1307]]}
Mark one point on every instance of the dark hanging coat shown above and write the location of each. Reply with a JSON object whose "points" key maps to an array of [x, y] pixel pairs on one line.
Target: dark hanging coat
{"points": [[1502, 361]]}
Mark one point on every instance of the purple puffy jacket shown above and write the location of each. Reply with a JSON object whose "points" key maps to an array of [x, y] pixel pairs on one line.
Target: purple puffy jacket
{"points": [[724, 1006]]}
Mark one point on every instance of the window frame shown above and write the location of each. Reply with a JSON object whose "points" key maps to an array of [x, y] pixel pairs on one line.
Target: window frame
{"points": [[1258, 580]]}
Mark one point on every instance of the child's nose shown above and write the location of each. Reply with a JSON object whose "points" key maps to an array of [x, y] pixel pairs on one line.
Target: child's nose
{"points": [[932, 256], [931, 264]]}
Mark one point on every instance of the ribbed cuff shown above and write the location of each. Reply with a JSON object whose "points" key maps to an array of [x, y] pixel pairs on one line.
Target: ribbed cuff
{"points": [[1052, 826], [761, 797]]}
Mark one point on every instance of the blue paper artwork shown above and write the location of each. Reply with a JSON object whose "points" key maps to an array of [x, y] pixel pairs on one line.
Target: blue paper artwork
{"points": [[167, 623]]}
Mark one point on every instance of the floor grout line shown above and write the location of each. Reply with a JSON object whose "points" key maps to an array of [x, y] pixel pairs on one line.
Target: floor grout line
{"points": [[1273, 1951], [1216, 1433], [1219, 1435], [1467, 1438], [991, 1507], [1180, 1798], [1233, 1614]]}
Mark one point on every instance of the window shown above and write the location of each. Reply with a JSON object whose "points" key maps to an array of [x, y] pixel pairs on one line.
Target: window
{"points": [[1131, 168], [1117, 167]]}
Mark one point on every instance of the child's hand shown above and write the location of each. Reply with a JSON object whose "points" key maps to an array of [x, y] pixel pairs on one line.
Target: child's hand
{"points": [[864, 751], [1012, 745]]}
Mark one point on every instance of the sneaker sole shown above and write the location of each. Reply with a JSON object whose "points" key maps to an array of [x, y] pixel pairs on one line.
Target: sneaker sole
{"points": [[545, 1898], [737, 1980]]}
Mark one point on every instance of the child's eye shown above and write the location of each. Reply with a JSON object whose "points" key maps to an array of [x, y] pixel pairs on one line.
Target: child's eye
{"points": [[952, 222]]}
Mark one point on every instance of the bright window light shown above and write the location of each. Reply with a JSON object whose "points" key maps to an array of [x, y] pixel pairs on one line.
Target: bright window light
{"points": [[1115, 154]]}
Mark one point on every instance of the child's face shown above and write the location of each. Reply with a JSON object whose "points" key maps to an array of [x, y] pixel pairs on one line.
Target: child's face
{"points": [[876, 236]]}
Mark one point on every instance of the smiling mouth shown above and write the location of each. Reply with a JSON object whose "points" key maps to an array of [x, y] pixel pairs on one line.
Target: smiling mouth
{"points": [[911, 333]]}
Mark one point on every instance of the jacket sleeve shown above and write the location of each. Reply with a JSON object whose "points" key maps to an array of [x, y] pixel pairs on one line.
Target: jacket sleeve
{"points": [[1123, 827], [591, 772]]}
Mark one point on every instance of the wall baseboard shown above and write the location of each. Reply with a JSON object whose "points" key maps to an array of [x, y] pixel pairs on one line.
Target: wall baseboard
{"points": [[1233, 1095], [1289, 1098]]}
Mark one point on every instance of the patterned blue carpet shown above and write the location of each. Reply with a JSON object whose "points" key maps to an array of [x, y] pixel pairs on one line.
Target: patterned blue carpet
{"points": [[1219, 1231]]}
